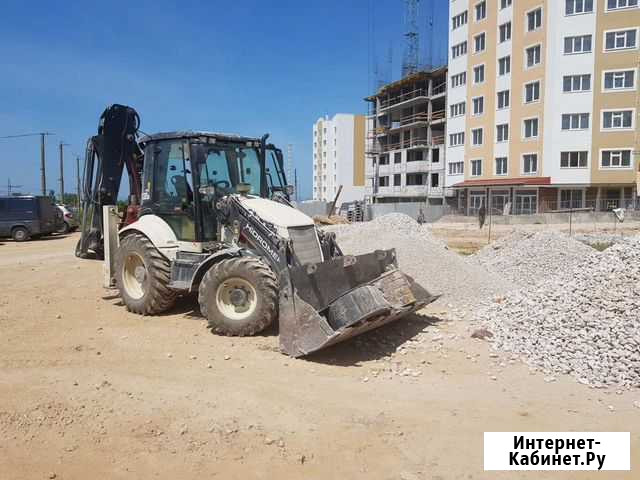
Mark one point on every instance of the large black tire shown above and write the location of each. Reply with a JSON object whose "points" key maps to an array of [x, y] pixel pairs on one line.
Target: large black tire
{"points": [[255, 289], [142, 276], [20, 234]]}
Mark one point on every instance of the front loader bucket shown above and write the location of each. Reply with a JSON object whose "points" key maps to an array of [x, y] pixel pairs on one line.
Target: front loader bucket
{"points": [[344, 297]]}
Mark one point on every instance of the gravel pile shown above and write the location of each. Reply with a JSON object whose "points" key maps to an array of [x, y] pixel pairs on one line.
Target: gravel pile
{"points": [[584, 320], [526, 258], [420, 255]]}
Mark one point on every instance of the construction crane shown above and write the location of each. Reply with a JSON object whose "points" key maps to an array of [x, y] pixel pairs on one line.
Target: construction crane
{"points": [[412, 39], [43, 174]]}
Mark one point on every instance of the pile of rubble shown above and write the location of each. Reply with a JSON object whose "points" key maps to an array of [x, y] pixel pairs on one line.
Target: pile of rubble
{"points": [[525, 258], [582, 320], [423, 257]]}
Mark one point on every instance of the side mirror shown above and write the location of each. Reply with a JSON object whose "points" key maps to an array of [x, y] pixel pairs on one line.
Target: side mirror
{"points": [[289, 189]]}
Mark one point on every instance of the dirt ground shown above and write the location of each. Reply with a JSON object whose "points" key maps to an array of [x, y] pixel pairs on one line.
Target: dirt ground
{"points": [[88, 390]]}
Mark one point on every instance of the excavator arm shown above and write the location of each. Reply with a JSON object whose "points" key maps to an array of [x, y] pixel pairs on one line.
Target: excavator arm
{"points": [[108, 153]]}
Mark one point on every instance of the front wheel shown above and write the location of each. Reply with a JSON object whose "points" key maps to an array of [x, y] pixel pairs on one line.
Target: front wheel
{"points": [[142, 276], [20, 234], [239, 296]]}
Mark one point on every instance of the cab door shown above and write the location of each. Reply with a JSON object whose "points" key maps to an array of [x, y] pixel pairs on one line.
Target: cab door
{"points": [[168, 188]]}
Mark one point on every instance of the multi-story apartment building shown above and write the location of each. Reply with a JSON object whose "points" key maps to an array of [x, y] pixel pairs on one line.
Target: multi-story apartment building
{"points": [[543, 104], [405, 140], [338, 158]]}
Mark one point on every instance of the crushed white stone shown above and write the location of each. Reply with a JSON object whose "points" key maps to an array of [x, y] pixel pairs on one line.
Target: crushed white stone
{"points": [[581, 317], [421, 256]]}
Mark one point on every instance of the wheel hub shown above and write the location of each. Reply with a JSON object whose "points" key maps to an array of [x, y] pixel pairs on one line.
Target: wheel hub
{"points": [[238, 297]]}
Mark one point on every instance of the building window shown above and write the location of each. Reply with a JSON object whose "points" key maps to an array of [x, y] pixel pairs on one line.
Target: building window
{"points": [[620, 39], [476, 135], [478, 105], [481, 11], [501, 166], [576, 83], [459, 20], [505, 32], [571, 198], [476, 168], [573, 159], [532, 92], [397, 157], [573, 7], [384, 181], [504, 4], [456, 168], [504, 65], [458, 80], [530, 163], [415, 156], [458, 109], [619, 4], [531, 128], [397, 180], [534, 19], [575, 121], [459, 49], [503, 99], [532, 55], [615, 158], [502, 132], [384, 160], [620, 80], [478, 74], [456, 139], [617, 119], [414, 179], [479, 42], [579, 44], [435, 180]]}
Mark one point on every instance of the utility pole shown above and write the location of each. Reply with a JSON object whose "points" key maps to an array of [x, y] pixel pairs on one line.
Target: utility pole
{"points": [[61, 180], [43, 168], [10, 187]]}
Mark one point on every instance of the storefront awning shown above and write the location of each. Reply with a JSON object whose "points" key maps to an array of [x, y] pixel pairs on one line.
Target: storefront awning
{"points": [[505, 182]]}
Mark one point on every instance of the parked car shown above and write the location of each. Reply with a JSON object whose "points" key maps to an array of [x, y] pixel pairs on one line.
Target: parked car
{"points": [[27, 217], [69, 221]]}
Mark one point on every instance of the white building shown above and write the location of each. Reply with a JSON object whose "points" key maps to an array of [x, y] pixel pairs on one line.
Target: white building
{"points": [[338, 158]]}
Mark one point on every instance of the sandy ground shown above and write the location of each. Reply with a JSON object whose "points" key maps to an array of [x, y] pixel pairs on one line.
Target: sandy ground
{"points": [[88, 390]]}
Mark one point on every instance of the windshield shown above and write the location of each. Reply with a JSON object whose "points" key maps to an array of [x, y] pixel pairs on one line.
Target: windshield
{"points": [[226, 166]]}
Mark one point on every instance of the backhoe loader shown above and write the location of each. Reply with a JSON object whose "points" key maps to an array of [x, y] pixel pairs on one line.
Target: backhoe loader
{"points": [[210, 214]]}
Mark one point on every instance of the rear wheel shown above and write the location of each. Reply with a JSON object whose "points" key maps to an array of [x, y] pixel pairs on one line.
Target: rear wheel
{"points": [[239, 296], [20, 234], [142, 276]]}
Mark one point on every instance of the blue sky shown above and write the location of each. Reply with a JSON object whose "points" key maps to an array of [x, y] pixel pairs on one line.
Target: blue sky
{"points": [[246, 67]]}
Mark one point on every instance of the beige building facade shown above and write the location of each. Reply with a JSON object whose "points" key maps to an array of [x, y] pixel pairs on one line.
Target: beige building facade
{"points": [[550, 94]]}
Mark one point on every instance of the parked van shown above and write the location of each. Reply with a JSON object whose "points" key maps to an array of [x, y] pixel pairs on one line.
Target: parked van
{"points": [[27, 217]]}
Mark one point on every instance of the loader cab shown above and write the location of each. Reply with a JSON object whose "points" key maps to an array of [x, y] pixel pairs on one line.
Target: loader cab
{"points": [[186, 173]]}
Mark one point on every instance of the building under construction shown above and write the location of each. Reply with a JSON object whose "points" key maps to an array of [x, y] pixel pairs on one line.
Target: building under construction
{"points": [[405, 140]]}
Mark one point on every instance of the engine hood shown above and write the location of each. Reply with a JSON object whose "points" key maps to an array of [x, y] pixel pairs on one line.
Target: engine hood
{"points": [[276, 213]]}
